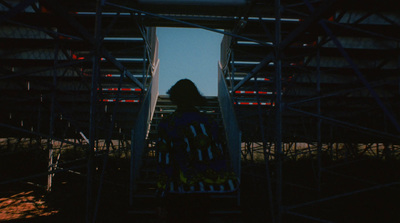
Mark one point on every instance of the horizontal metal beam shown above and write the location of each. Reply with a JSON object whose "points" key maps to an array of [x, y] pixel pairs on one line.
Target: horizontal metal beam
{"points": [[290, 38], [360, 76], [56, 66], [90, 38], [186, 23], [331, 94], [59, 170], [38, 134], [347, 124], [341, 195], [313, 18], [255, 70]]}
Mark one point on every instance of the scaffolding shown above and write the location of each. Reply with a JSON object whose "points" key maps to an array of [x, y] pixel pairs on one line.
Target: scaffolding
{"points": [[75, 78], [321, 91], [312, 85]]}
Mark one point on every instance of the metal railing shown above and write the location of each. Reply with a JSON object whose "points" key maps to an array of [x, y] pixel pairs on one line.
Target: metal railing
{"points": [[142, 125], [232, 131]]}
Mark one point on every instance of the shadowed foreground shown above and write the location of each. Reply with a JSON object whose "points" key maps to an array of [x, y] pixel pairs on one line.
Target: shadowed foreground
{"points": [[23, 202]]}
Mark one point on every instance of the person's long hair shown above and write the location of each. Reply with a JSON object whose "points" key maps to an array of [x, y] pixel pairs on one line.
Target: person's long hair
{"points": [[185, 93]]}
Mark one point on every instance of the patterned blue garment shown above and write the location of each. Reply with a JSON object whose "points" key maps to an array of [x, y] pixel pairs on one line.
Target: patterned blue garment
{"points": [[191, 157]]}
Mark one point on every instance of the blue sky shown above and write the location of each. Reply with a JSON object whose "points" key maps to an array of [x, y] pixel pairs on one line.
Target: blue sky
{"points": [[189, 53]]}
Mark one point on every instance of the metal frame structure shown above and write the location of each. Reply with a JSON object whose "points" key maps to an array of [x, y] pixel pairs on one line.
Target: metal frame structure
{"points": [[315, 80], [74, 77], [313, 89]]}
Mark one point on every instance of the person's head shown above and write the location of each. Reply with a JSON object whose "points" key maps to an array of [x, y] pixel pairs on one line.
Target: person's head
{"points": [[185, 93]]}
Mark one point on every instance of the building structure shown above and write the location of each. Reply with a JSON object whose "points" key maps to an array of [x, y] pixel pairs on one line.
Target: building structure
{"points": [[297, 79]]}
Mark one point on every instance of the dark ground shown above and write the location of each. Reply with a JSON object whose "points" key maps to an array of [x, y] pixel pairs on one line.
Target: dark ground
{"points": [[22, 202], [360, 189]]}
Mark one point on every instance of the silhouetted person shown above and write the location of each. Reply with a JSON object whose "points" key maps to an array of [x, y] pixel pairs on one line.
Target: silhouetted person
{"points": [[191, 158]]}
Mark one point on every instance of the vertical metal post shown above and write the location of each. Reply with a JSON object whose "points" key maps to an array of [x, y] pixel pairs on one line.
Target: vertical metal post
{"points": [[265, 152], [90, 150], [131, 180], [377, 150], [50, 146], [51, 127], [278, 127], [232, 77], [144, 68], [39, 118], [93, 111], [319, 123]]}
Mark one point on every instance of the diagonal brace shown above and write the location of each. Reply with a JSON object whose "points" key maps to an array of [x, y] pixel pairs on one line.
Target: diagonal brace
{"points": [[289, 39], [360, 75], [87, 36], [313, 18], [17, 9], [255, 70], [346, 124]]}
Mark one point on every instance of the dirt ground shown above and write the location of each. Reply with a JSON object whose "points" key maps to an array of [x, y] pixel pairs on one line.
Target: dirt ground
{"points": [[24, 205], [23, 202]]}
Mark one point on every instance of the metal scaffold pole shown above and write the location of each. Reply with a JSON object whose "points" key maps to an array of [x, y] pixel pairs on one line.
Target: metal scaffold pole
{"points": [[93, 107], [131, 174], [319, 122], [52, 116], [278, 127]]}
